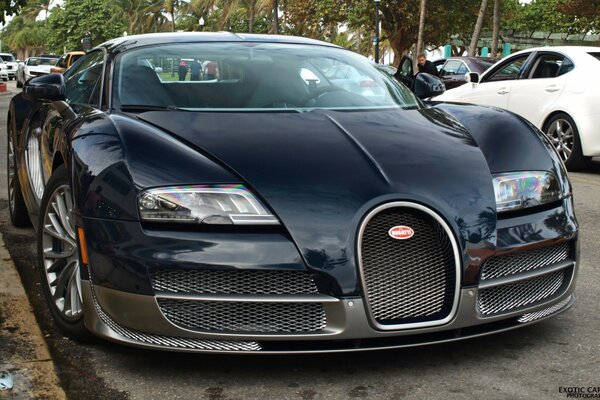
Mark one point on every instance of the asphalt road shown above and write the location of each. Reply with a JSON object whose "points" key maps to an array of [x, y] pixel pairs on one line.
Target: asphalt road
{"points": [[535, 362]]}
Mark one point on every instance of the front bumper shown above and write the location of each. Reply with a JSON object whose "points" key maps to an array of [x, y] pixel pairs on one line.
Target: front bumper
{"points": [[120, 307], [349, 329]]}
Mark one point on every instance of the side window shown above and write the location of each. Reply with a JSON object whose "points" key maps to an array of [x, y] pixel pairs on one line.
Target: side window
{"points": [[510, 70], [451, 68], [548, 66], [84, 80], [62, 61], [462, 69]]}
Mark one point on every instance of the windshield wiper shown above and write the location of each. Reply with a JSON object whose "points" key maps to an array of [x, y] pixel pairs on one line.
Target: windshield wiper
{"points": [[145, 107]]}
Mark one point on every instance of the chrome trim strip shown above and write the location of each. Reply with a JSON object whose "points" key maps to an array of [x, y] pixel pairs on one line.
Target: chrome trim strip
{"points": [[315, 298], [457, 263], [504, 280]]}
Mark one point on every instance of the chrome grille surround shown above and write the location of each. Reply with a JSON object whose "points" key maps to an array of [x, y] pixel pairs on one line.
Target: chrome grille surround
{"points": [[521, 293], [233, 282], [544, 312], [408, 283], [523, 261], [244, 317]]}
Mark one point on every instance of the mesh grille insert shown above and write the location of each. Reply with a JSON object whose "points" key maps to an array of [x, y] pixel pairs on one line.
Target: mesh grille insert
{"points": [[512, 296], [511, 264], [233, 282], [407, 281], [222, 316]]}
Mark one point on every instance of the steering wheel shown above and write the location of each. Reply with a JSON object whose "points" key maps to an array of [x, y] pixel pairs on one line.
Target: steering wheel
{"points": [[319, 92]]}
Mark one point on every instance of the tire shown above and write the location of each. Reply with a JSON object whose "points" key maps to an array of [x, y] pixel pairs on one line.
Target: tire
{"points": [[564, 135], [58, 257], [16, 204]]}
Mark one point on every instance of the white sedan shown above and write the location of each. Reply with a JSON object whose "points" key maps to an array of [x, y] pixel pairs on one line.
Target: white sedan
{"points": [[555, 88], [34, 66], [3, 72]]}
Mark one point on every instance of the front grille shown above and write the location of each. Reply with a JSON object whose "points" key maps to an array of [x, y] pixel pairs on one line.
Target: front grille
{"points": [[412, 280], [173, 341], [237, 282], [514, 263], [509, 297], [544, 312], [247, 317]]}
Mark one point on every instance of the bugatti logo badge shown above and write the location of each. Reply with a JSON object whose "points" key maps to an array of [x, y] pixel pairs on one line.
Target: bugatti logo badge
{"points": [[401, 232]]}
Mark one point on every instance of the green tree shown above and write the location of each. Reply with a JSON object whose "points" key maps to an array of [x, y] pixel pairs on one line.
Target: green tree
{"points": [[10, 7], [76, 19]]}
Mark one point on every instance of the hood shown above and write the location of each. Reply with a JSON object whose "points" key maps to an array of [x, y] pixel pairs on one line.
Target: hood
{"points": [[322, 171]]}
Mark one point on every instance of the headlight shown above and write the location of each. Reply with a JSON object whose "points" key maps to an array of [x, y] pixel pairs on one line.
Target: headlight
{"points": [[517, 190], [203, 204]]}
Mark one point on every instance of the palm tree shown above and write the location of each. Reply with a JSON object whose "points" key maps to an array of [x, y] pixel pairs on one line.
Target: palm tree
{"points": [[421, 27], [496, 28], [477, 31]]}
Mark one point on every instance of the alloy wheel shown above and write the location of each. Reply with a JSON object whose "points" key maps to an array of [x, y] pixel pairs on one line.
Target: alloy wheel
{"points": [[60, 255], [561, 134]]}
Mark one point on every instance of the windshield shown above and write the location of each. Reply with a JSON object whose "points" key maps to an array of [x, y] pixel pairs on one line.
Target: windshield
{"points": [[7, 58], [41, 61], [252, 76]]}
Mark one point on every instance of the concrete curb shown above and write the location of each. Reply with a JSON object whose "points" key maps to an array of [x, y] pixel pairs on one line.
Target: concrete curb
{"points": [[23, 350]]}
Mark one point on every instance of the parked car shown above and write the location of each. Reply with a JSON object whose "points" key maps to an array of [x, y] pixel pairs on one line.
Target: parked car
{"points": [[11, 64], [270, 210], [451, 70], [348, 78], [66, 60], [3, 72], [34, 66], [555, 88]]}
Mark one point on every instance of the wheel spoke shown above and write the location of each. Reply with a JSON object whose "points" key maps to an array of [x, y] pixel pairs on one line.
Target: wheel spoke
{"points": [[63, 213], [48, 230]]}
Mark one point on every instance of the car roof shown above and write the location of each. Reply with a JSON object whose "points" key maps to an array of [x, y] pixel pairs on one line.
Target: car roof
{"points": [[183, 37]]}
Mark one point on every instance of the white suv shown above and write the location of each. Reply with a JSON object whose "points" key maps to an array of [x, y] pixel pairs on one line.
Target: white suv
{"points": [[11, 65]]}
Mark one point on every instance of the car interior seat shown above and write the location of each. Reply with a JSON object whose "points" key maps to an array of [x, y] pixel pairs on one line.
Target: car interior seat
{"points": [[547, 69], [140, 85]]}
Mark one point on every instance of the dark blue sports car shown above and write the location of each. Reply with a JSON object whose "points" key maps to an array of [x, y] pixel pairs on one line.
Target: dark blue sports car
{"points": [[223, 193]]}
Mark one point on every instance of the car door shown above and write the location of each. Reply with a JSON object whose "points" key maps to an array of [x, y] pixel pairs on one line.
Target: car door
{"points": [[494, 89], [545, 81], [405, 72]]}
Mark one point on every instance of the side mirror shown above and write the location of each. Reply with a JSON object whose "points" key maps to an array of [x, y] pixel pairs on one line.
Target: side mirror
{"points": [[472, 77], [427, 85], [45, 88]]}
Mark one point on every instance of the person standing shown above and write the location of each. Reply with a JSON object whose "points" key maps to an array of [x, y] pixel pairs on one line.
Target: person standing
{"points": [[195, 68], [425, 65], [182, 70]]}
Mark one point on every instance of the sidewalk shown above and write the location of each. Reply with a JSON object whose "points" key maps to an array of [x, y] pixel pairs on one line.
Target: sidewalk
{"points": [[24, 356]]}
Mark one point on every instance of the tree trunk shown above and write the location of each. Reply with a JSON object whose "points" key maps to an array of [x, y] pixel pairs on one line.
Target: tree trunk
{"points": [[477, 31], [173, 19], [421, 27], [251, 11], [496, 29], [275, 17]]}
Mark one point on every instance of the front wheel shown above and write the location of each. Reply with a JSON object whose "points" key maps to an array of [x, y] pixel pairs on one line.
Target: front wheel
{"points": [[58, 257], [564, 135]]}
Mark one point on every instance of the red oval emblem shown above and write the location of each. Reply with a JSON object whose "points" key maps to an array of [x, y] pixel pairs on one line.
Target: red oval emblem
{"points": [[401, 232]]}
